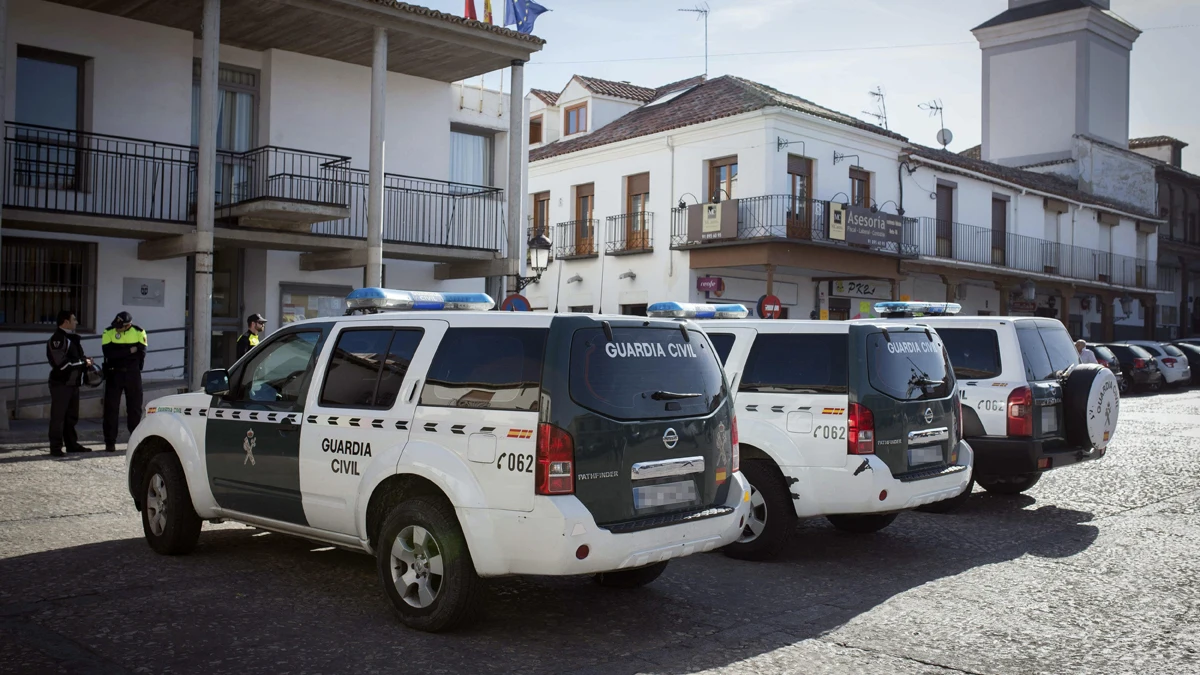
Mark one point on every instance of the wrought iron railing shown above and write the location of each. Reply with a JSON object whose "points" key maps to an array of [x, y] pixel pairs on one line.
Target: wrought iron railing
{"points": [[577, 238], [282, 174], [630, 233]]}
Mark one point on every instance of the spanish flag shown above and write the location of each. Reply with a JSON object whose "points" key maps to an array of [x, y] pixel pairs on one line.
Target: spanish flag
{"points": [[469, 10], [487, 11]]}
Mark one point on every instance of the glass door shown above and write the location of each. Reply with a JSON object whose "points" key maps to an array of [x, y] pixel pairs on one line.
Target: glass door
{"points": [[237, 116]]}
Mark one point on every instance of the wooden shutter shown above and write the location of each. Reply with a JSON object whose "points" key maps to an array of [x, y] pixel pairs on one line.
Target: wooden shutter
{"points": [[799, 166], [638, 184], [586, 190]]}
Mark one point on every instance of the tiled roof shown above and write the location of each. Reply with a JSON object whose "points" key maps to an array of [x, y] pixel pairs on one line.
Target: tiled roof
{"points": [[715, 99], [1030, 179], [617, 89], [1044, 8], [1154, 142], [975, 152], [548, 97], [451, 18]]}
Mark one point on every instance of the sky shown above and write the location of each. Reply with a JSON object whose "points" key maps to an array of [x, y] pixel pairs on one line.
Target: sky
{"points": [[835, 52]]}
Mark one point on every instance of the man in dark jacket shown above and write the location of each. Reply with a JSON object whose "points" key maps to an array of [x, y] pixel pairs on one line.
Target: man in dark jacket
{"points": [[124, 347], [67, 366]]}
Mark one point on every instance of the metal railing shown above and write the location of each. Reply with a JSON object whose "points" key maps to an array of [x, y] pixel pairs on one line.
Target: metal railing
{"points": [[630, 233], [282, 174], [1168, 279], [28, 373], [577, 238]]}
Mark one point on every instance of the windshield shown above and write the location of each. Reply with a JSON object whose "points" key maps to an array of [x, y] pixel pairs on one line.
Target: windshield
{"points": [[645, 373], [910, 366]]}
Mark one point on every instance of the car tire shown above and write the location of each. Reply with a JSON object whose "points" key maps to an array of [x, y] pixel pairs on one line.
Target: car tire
{"points": [[771, 514], [1010, 486], [419, 538], [1122, 385], [951, 504], [169, 520], [864, 523], [634, 578]]}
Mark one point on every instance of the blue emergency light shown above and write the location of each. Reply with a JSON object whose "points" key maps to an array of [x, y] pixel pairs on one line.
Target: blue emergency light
{"points": [[902, 308], [691, 310], [375, 299]]}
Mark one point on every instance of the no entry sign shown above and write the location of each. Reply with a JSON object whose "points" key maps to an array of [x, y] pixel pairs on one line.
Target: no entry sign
{"points": [[770, 307], [515, 303]]}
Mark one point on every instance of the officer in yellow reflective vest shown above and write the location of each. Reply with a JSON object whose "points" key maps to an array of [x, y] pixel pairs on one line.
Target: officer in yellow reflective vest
{"points": [[124, 347], [255, 325]]}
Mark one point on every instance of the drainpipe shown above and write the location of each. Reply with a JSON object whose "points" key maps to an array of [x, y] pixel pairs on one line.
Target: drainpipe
{"points": [[206, 171], [670, 251]]}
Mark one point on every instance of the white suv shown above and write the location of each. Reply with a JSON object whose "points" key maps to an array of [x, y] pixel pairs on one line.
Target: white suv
{"points": [[855, 421], [454, 445]]}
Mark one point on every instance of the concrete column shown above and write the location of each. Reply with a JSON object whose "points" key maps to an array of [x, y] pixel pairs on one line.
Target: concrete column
{"points": [[1149, 306], [951, 284], [3, 73], [206, 172], [1107, 318], [1185, 316], [514, 198], [374, 276], [1066, 295], [1004, 299]]}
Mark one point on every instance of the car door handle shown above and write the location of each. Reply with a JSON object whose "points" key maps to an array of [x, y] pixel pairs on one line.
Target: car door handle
{"points": [[412, 392]]}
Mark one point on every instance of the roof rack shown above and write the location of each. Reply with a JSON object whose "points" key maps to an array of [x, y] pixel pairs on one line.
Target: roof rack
{"points": [[691, 310], [902, 309], [372, 300]]}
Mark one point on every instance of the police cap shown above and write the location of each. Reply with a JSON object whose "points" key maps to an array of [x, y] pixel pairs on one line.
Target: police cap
{"points": [[256, 318], [122, 319]]}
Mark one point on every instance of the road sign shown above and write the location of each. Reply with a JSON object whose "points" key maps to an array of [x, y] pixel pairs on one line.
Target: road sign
{"points": [[515, 303], [769, 307]]}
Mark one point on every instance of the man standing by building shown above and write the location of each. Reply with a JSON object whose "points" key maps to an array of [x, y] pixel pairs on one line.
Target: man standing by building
{"points": [[67, 366], [124, 347], [255, 325]]}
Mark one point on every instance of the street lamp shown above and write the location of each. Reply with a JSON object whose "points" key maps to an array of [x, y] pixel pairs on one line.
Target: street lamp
{"points": [[539, 260]]}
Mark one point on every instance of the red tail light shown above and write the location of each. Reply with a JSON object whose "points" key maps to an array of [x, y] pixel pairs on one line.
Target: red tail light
{"points": [[1020, 412], [861, 439], [1139, 363], [1169, 362], [737, 453], [555, 461], [1103, 362]]}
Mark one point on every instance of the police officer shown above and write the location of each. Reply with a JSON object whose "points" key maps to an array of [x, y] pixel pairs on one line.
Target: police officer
{"points": [[67, 366], [124, 347], [255, 325]]}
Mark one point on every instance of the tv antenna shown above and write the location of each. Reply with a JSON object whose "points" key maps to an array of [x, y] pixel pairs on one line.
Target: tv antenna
{"points": [[944, 136], [881, 111], [702, 11]]}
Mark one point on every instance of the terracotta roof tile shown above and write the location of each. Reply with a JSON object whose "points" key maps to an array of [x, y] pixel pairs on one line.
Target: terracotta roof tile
{"points": [[1154, 142], [681, 84], [618, 89], [451, 18], [548, 97]]}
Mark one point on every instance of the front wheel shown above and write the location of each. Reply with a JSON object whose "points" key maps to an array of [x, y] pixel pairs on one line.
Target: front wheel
{"points": [[772, 518], [951, 504], [634, 578], [169, 521], [425, 567], [1010, 486], [862, 523]]}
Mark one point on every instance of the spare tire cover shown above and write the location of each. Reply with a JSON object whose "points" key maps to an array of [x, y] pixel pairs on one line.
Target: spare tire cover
{"points": [[1091, 404]]}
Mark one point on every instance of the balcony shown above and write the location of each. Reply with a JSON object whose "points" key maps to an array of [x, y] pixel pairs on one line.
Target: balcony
{"points": [[577, 239], [630, 233]]}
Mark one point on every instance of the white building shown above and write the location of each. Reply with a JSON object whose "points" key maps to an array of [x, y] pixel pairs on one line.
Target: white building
{"points": [[103, 150], [621, 170]]}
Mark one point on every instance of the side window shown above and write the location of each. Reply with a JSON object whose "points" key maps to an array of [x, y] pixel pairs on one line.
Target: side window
{"points": [[368, 366], [1059, 346], [277, 373], [487, 368], [975, 352], [723, 343], [1033, 353], [798, 363]]}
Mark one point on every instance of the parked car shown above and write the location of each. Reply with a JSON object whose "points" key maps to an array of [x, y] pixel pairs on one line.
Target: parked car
{"points": [[1138, 365], [1105, 357], [1029, 405], [1191, 351], [1171, 361]]}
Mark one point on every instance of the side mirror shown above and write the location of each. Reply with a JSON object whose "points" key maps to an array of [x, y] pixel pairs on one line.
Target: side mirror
{"points": [[216, 382]]}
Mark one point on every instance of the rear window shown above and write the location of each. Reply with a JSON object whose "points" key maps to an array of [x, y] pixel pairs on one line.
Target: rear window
{"points": [[1173, 350], [1046, 350], [645, 373], [814, 364], [909, 366], [489, 368], [1152, 349], [1103, 353], [1127, 353], [974, 352], [723, 343]]}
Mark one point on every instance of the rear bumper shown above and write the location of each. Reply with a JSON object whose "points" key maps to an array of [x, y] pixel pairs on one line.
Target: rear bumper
{"points": [[1144, 378], [545, 541], [1011, 457], [821, 491], [1177, 375]]}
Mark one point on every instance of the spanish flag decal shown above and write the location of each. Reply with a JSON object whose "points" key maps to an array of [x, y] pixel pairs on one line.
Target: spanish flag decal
{"points": [[520, 433]]}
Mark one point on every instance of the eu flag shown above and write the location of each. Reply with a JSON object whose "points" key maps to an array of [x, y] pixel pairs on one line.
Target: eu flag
{"points": [[522, 13]]}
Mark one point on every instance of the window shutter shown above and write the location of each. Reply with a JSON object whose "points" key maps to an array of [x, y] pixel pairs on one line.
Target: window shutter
{"points": [[639, 184], [799, 166], [586, 190]]}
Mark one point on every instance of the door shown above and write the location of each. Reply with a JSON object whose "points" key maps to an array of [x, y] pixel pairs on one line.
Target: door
{"points": [[228, 316], [945, 221], [585, 232], [636, 227], [252, 437], [237, 117], [799, 212], [999, 231], [363, 409]]}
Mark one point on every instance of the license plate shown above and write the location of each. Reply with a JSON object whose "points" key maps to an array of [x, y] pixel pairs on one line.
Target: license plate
{"points": [[1049, 419], [664, 494], [926, 454]]}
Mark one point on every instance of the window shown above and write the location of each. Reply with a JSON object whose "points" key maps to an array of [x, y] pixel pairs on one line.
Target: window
{"points": [[299, 302], [50, 92], [41, 277], [722, 178], [633, 310], [580, 309], [541, 214], [974, 352], [368, 367], [470, 158], [487, 368], [815, 363], [637, 191], [576, 119], [619, 378], [535, 129], [585, 235], [860, 187], [1045, 350], [237, 121], [723, 343], [1172, 350], [799, 223], [908, 366], [279, 372], [999, 232]]}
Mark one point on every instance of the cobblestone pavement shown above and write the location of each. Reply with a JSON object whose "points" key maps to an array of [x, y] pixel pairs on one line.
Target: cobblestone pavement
{"points": [[1091, 571]]}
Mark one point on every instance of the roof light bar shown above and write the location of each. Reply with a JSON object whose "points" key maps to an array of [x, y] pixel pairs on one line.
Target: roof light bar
{"points": [[375, 299], [691, 310], [897, 309]]}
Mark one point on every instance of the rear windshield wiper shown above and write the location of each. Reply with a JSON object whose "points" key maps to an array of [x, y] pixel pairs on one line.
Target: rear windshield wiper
{"points": [[671, 396]]}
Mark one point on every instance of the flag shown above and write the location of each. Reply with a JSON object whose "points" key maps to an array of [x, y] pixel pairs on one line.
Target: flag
{"points": [[469, 10], [487, 11], [522, 14]]}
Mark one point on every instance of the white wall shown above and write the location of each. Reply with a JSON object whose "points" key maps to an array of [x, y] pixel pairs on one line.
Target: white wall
{"points": [[605, 110], [1031, 101], [1162, 153], [1117, 174], [1108, 92]]}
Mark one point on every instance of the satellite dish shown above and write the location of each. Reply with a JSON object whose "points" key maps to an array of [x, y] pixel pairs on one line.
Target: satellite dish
{"points": [[945, 137]]}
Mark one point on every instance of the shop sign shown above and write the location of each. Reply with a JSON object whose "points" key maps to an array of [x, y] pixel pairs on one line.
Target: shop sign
{"points": [[713, 222], [714, 285], [862, 288], [857, 225]]}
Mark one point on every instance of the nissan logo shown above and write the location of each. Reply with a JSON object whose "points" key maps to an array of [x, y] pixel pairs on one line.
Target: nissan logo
{"points": [[928, 415], [670, 438]]}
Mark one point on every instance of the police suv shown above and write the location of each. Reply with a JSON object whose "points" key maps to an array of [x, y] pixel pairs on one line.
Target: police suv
{"points": [[455, 445], [852, 420]]}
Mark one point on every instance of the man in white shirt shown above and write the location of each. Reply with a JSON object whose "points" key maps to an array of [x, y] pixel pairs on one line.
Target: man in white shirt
{"points": [[1085, 354]]}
